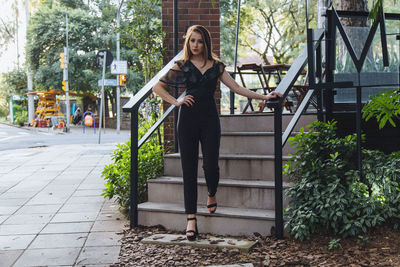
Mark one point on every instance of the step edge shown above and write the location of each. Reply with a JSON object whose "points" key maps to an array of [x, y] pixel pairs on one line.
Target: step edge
{"points": [[206, 214], [235, 156], [222, 182]]}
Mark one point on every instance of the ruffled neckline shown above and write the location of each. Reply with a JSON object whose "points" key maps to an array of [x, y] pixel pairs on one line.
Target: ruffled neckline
{"points": [[194, 74], [210, 68]]}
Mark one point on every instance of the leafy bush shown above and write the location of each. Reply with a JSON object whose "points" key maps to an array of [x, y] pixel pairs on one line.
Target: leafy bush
{"points": [[327, 194], [21, 114], [385, 106], [150, 165]]}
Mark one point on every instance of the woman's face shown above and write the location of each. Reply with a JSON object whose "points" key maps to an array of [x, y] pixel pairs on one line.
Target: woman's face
{"points": [[196, 44]]}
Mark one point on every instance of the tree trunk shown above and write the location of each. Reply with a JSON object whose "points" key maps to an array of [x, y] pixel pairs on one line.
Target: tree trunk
{"points": [[321, 11], [357, 30], [353, 5]]}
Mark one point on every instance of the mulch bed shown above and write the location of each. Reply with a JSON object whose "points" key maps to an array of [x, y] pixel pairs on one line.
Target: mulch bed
{"points": [[381, 249]]}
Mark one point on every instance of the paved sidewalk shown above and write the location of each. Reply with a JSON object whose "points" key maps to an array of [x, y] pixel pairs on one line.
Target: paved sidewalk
{"points": [[51, 211]]}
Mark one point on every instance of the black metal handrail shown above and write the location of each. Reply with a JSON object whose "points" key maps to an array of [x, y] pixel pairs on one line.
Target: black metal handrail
{"points": [[133, 107], [284, 87], [316, 84]]}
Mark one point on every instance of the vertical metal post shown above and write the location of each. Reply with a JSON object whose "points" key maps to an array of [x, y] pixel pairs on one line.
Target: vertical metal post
{"points": [[330, 55], [319, 77], [133, 212], [66, 74], [358, 127], [31, 102], [311, 58], [232, 94], [118, 88], [278, 171], [102, 93], [398, 38], [176, 91]]}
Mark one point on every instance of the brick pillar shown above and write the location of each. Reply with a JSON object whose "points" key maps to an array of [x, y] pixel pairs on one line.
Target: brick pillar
{"points": [[190, 12]]}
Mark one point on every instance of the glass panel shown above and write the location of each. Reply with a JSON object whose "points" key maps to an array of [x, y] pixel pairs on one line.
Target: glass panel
{"points": [[373, 72]]}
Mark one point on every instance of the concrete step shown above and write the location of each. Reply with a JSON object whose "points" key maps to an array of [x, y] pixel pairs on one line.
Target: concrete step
{"points": [[258, 143], [232, 166], [226, 221], [260, 122], [231, 192]]}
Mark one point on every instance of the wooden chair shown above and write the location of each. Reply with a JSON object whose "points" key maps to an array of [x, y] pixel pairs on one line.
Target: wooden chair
{"points": [[264, 74]]}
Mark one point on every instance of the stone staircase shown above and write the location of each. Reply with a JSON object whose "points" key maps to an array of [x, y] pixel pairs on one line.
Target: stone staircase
{"points": [[246, 190]]}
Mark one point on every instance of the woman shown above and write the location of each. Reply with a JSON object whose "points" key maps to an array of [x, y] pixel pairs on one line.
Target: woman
{"points": [[199, 71]]}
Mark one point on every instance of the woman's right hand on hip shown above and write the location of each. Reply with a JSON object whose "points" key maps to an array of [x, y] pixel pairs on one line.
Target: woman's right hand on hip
{"points": [[188, 100]]}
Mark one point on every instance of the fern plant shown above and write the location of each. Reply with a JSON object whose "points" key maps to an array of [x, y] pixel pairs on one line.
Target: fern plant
{"points": [[385, 106]]}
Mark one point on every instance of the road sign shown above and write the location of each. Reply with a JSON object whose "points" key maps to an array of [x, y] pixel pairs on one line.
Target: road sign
{"points": [[100, 57], [119, 67], [108, 82]]}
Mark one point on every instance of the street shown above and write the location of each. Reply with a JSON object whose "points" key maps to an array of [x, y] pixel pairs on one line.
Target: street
{"points": [[12, 137]]}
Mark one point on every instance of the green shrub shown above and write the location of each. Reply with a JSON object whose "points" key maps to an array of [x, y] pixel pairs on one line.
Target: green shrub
{"points": [[21, 114], [150, 165], [384, 107], [327, 194]]}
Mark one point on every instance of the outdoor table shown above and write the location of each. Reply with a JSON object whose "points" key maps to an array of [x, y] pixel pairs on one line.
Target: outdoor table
{"points": [[264, 73]]}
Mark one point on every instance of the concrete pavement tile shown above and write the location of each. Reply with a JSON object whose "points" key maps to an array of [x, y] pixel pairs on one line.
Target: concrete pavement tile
{"points": [[66, 181], [3, 218], [54, 193], [24, 186], [87, 193], [75, 217], [92, 207], [12, 202], [98, 255], [26, 195], [3, 189], [58, 228], [110, 216], [103, 239], [8, 257], [48, 257], [58, 190], [13, 242], [21, 229], [91, 186], [86, 200], [35, 209], [93, 265], [29, 218], [106, 226], [72, 172], [50, 199], [73, 240], [57, 187], [109, 206], [5, 210]]}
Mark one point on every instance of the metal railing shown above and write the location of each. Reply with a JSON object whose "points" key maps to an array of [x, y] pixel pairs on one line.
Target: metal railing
{"points": [[312, 56], [284, 87], [133, 107]]}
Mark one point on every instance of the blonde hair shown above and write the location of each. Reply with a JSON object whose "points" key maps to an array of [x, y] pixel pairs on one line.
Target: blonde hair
{"points": [[206, 37]]}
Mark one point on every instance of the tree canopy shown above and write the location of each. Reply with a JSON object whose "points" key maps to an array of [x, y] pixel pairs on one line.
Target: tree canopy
{"points": [[90, 28], [267, 27]]}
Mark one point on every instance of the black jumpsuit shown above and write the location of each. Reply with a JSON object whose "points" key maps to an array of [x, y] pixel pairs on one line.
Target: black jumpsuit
{"points": [[197, 123]]}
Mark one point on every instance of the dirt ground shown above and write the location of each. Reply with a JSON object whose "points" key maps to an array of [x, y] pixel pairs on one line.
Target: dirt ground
{"points": [[381, 248]]}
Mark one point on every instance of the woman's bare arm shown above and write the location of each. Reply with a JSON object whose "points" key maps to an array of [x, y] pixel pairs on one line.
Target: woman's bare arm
{"points": [[235, 87], [160, 89]]}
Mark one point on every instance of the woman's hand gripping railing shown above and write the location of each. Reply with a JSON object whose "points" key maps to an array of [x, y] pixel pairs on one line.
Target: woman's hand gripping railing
{"points": [[284, 87], [133, 107]]}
